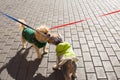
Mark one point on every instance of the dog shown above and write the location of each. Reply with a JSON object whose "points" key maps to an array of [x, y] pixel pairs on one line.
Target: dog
{"points": [[66, 59], [38, 37]]}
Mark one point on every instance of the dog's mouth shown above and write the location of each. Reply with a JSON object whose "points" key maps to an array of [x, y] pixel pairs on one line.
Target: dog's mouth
{"points": [[51, 40], [55, 40]]}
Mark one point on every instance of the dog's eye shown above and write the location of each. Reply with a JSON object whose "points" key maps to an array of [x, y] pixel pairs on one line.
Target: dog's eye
{"points": [[45, 33]]}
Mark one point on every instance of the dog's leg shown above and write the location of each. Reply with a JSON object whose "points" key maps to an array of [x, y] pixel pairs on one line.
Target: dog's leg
{"points": [[56, 66], [24, 43], [44, 50], [68, 76], [74, 74], [37, 51]]}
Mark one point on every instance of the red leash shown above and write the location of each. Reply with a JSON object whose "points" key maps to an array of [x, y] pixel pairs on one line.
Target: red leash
{"points": [[64, 25]]}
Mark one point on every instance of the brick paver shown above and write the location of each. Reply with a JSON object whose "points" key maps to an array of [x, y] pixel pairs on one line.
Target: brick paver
{"points": [[96, 42]]}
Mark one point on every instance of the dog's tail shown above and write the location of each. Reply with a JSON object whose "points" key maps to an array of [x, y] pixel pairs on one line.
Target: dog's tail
{"points": [[21, 26]]}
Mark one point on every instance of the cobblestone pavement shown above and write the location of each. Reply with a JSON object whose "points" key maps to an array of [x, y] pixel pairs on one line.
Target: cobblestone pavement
{"points": [[96, 42]]}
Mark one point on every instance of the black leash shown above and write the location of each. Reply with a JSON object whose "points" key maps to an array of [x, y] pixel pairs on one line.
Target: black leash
{"points": [[21, 22], [15, 20]]}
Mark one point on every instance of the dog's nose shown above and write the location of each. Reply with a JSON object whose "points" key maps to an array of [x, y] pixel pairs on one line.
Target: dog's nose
{"points": [[48, 35]]}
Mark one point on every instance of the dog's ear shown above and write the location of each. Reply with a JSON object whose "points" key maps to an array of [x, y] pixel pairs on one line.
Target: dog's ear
{"points": [[43, 29], [20, 25], [21, 20], [37, 29], [62, 62]]}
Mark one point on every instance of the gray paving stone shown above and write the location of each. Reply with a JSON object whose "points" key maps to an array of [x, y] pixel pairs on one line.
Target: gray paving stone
{"points": [[74, 37], [116, 36], [81, 74], [76, 44], [95, 34], [42, 71], [84, 47], [81, 34], [83, 41], [100, 72], [115, 47], [92, 28], [111, 76], [6, 49], [73, 31], [67, 34], [118, 55], [80, 63], [91, 76], [111, 40], [52, 48], [68, 40], [91, 44], [89, 67], [108, 34], [107, 66], [78, 52], [94, 52], [103, 37], [3, 57], [15, 45], [52, 57], [50, 66], [103, 56], [89, 37], [12, 53], [97, 40], [3, 75], [117, 71], [44, 63], [114, 61], [86, 56], [100, 47], [110, 52], [106, 44], [87, 31], [100, 31], [2, 45], [97, 61]]}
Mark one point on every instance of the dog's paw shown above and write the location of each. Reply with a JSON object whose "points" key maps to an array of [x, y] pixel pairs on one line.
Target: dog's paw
{"points": [[74, 75], [45, 52], [55, 67], [24, 47]]}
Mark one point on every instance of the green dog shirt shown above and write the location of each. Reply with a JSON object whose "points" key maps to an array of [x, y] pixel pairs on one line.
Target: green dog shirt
{"points": [[29, 35], [65, 50]]}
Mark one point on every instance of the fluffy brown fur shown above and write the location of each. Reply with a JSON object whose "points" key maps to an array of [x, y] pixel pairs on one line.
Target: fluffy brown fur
{"points": [[38, 36]]}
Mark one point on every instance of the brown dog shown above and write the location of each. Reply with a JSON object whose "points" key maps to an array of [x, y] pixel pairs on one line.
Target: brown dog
{"points": [[38, 38], [65, 57]]}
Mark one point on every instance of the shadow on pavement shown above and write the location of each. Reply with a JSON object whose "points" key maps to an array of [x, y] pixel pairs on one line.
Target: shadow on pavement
{"points": [[19, 68], [56, 75]]}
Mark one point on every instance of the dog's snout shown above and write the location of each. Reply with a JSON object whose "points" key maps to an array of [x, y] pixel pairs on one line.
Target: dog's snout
{"points": [[48, 35]]}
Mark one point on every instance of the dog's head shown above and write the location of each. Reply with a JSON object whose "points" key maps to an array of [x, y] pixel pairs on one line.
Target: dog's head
{"points": [[55, 39], [42, 34]]}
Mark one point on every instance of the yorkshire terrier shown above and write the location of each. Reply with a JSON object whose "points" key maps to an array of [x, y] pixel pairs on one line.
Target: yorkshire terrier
{"points": [[38, 37], [66, 59]]}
